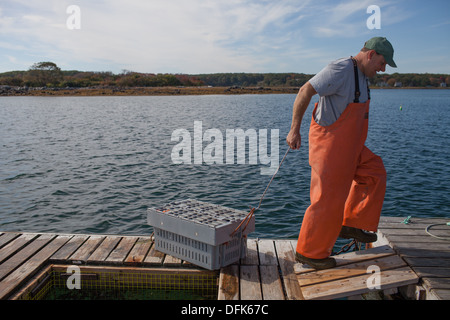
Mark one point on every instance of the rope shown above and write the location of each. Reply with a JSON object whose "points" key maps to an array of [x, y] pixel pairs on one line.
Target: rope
{"points": [[252, 210], [264, 193], [437, 224], [427, 229]]}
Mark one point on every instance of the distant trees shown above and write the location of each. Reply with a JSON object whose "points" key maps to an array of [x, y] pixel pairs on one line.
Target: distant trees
{"points": [[43, 74], [410, 79], [49, 74], [134, 79]]}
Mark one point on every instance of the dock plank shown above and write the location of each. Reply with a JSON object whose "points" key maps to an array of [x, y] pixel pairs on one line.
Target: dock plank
{"points": [[352, 270], [252, 253], [229, 283], [119, 254], [250, 287], [271, 286], [267, 255], [85, 250], [23, 255], [14, 246], [102, 252], [358, 285], [5, 238], [68, 249], [31, 266], [286, 260], [171, 261], [139, 251], [154, 257]]}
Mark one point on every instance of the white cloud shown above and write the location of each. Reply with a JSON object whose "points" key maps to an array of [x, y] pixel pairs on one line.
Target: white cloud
{"points": [[195, 36], [158, 35]]}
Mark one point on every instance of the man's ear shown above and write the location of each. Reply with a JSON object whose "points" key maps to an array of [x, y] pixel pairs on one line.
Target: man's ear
{"points": [[371, 54]]}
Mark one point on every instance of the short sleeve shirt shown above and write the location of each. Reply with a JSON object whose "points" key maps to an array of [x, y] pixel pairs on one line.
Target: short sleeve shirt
{"points": [[335, 85]]}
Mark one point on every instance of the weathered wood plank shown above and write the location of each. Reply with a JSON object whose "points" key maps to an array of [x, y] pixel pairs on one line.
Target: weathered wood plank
{"points": [[437, 248], [266, 250], [432, 272], [437, 283], [252, 253], [119, 254], [271, 286], [25, 291], [442, 294], [171, 261], [358, 285], [351, 257], [63, 254], [415, 222], [229, 283], [14, 246], [82, 253], [347, 271], [427, 262], [5, 238], [286, 260], [31, 266], [139, 251], [23, 255], [250, 287], [104, 249], [154, 257]]}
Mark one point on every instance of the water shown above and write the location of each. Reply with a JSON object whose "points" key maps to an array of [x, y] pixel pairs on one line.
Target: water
{"points": [[95, 164]]}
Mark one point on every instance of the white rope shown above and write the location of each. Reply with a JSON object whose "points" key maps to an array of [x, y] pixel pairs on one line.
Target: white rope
{"points": [[264, 193], [437, 224]]}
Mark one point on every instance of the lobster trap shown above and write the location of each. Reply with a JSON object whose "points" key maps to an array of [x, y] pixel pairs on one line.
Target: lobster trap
{"points": [[207, 235]]}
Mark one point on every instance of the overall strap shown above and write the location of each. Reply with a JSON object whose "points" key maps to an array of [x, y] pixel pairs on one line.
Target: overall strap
{"points": [[357, 92]]}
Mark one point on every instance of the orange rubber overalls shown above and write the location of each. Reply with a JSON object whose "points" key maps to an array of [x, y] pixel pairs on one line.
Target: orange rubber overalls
{"points": [[348, 181]]}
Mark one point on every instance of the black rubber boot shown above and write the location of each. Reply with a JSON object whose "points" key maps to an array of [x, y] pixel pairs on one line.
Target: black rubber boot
{"points": [[318, 264], [358, 234]]}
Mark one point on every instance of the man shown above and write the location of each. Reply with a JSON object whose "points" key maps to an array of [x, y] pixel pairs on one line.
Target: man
{"points": [[348, 181]]}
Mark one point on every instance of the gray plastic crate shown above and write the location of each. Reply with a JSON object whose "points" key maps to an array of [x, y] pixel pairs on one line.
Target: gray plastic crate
{"points": [[200, 232]]}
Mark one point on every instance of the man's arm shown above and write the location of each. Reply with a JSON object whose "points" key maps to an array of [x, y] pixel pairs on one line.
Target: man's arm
{"points": [[300, 105]]}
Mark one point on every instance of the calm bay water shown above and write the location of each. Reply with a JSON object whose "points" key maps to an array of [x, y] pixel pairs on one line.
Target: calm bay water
{"points": [[95, 164]]}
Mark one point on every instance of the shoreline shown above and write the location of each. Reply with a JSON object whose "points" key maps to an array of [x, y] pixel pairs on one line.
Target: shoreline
{"points": [[145, 91], [161, 91]]}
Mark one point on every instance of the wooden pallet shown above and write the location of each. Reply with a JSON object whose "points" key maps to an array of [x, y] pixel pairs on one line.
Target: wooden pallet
{"points": [[276, 276], [356, 273]]}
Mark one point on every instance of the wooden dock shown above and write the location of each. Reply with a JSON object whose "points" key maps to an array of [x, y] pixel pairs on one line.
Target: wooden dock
{"points": [[428, 256], [405, 258]]}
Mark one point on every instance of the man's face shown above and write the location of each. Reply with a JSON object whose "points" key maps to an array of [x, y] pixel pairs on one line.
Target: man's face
{"points": [[376, 63]]}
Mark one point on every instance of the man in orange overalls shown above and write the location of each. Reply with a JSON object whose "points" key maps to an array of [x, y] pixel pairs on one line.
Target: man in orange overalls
{"points": [[348, 181]]}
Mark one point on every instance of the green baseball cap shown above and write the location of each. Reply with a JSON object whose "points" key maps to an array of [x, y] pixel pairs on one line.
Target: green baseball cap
{"points": [[384, 47]]}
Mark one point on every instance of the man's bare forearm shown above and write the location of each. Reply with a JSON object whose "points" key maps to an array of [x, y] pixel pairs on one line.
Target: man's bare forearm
{"points": [[301, 103]]}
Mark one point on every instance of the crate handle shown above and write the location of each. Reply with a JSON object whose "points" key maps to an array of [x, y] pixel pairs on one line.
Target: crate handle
{"points": [[247, 218]]}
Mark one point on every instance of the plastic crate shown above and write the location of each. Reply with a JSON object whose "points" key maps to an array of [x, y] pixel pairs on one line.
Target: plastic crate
{"points": [[200, 232]]}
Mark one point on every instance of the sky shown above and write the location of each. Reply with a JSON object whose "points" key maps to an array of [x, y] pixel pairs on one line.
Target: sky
{"points": [[216, 36]]}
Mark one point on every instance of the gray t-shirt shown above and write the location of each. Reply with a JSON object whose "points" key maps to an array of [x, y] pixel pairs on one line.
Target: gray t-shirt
{"points": [[335, 85]]}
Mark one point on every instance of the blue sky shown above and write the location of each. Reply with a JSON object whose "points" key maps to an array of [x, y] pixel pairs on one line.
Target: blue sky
{"points": [[209, 36]]}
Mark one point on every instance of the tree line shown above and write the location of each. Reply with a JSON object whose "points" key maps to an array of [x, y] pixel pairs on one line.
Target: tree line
{"points": [[48, 74]]}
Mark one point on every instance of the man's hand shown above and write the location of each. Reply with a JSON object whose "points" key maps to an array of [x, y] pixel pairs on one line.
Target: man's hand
{"points": [[294, 139]]}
